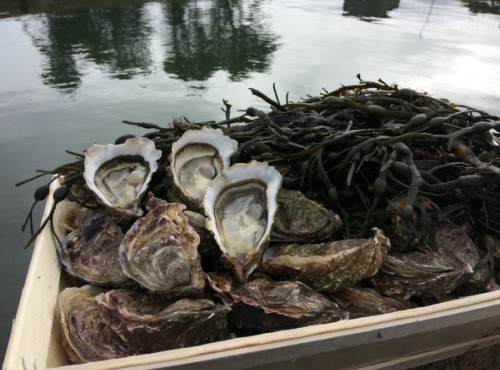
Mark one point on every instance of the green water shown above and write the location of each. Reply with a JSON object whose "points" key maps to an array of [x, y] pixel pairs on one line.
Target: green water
{"points": [[71, 71]]}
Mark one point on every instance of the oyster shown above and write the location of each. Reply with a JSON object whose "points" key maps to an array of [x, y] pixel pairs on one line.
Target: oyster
{"points": [[300, 219], [90, 252], [86, 337], [151, 323], [119, 174], [196, 159], [240, 205], [262, 305], [160, 252], [329, 266]]}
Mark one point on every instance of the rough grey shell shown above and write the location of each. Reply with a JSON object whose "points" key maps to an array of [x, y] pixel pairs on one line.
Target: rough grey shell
{"points": [[119, 174], [159, 251], [197, 157], [240, 205], [85, 335], [329, 266]]}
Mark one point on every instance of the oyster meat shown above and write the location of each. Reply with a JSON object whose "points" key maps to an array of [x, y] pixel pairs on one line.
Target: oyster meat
{"points": [[119, 174], [240, 205], [329, 266], [196, 159], [159, 251], [86, 337], [300, 219], [90, 252], [151, 323], [262, 305]]}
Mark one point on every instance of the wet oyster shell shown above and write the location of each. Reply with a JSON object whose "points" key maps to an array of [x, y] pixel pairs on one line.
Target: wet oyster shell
{"points": [[262, 305], [151, 323], [240, 205], [363, 301], [90, 253], [160, 252], [119, 174], [196, 159], [300, 219], [329, 266], [85, 335]]}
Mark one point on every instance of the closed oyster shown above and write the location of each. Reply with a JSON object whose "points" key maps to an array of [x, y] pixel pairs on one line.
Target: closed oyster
{"points": [[300, 219], [90, 252], [362, 302], [240, 205], [119, 174], [160, 252], [329, 266], [196, 159], [151, 323], [262, 305], [86, 337]]}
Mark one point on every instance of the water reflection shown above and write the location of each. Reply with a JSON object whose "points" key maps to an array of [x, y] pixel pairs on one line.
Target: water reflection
{"points": [[221, 35], [484, 6], [369, 10]]}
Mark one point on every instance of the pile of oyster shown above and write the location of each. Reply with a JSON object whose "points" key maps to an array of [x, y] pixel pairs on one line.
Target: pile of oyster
{"points": [[227, 252]]}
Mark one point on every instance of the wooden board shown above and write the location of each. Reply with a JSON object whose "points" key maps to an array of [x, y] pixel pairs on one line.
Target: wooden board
{"points": [[396, 340]]}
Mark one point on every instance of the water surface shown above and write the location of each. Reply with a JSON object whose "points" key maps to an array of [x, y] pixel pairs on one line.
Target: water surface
{"points": [[70, 72]]}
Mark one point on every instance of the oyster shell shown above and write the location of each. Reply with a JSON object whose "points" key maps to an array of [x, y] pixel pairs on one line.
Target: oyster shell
{"points": [[262, 305], [90, 252], [329, 266], [240, 205], [119, 174], [151, 323], [196, 159], [160, 252], [300, 219], [86, 337]]}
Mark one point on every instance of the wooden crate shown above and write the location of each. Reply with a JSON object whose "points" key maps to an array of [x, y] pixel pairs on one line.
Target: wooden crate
{"points": [[397, 340]]}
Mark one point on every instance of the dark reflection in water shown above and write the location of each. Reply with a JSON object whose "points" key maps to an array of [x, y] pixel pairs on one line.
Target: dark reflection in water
{"points": [[369, 10], [224, 37], [199, 41], [485, 6]]}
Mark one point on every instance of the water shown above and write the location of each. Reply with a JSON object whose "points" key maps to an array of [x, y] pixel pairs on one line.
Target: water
{"points": [[70, 72]]}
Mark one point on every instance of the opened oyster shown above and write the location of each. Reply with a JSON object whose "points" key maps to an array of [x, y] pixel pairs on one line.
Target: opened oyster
{"points": [[86, 337], [329, 266], [262, 305], [240, 205], [90, 252], [151, 323], [119, 174], [300, 219], [196, 159], [160, 252]]}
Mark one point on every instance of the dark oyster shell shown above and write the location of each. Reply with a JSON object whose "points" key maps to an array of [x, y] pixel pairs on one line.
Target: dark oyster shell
{"points": [[152, 323], [262, 305], [86, 337], [363, 301], [90, 252], [329, 266], [299, 219], [160, 252]]}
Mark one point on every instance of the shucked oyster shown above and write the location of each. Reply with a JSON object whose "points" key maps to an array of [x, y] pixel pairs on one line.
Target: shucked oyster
{"points": [[300, 219], [86, 337], [159, 251], [119, 174], [329, 266], [262, 305], [196, 159], [90, 252], [151, 323], [240, 205]]}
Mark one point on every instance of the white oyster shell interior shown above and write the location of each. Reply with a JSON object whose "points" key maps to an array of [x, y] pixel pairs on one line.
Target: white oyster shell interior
{"points": [[240, 205], [197, 158], [119, 174]]}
